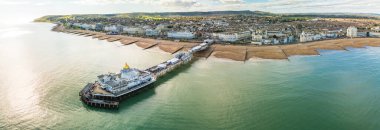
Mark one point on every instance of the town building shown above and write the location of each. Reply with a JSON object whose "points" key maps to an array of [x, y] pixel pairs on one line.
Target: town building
{"points": [[275, 34], [151, 32], [86, 26], [181, 35], [376, 29], [257, 37], [233, 37], [99, 27], [228, 37], [267, 41], [275, 41], [134, 30], [162, 28], [220, 23], [352, 32], [111, 28], [374, 34], [287, 39], [305, 37]]}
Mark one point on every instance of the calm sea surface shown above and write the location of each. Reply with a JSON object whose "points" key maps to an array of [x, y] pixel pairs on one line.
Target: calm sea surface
{"points": [[41, 73]]}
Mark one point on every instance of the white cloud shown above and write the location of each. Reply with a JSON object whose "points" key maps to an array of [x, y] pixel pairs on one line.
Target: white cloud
{"points": [[277, 6], [231, 1], [305, 6], [99, 2], [180, 3], [8, 2]]}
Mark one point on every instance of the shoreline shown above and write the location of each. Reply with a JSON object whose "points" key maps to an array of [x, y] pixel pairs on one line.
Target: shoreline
{"points": [[234, 52]]}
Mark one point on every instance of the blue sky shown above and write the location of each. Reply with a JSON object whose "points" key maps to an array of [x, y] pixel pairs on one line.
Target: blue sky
{"points": [[25, 10]]}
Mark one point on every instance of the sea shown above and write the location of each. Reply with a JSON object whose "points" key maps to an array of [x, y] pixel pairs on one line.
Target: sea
{"points": [[42, 72]]}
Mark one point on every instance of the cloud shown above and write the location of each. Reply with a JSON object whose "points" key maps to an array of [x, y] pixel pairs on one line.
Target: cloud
{"points": [[41, 3], [231, 1], [7, 2], [306, 6], [166, 3], [180, 3], [329, 6], [99, 2], [276, 6]]}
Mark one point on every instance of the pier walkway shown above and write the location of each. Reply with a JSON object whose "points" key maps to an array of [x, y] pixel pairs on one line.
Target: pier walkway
{"points": [[179, 59]]}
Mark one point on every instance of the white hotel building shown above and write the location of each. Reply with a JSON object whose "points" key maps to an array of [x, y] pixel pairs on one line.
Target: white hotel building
{"points": [[305, 37], [181, 35], [352, 32], [133, 30], [233, 37]]}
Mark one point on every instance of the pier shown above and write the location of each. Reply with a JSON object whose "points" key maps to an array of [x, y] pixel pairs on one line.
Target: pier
{"points": [[93, 95]]}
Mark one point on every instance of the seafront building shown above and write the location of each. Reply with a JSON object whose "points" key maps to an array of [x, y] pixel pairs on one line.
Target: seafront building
{"points": [[288, 39], [376, 29], [330, 34], [352, 32], [134, 30], [233, 37], [306, 37], [110, 28], [258, 37], [151, 32], [181, 35], [227, 37], [375, 34], [82, 26], [313, 36]]}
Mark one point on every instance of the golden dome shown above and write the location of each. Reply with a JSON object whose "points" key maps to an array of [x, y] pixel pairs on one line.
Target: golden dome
{"points": [[126, 66]]}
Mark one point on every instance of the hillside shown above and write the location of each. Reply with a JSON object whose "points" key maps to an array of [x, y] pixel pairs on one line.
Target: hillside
{"points": [[165, 15], [52, 18]]}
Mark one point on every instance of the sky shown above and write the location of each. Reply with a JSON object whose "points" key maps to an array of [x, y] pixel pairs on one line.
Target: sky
{"points": [[20, 11]]}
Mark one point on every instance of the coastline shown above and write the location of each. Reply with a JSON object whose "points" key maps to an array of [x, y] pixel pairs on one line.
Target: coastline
{"points": [[234, 52]]}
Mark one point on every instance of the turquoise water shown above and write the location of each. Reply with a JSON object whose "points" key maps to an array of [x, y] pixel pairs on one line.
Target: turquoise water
{"points": [[43, 71]]}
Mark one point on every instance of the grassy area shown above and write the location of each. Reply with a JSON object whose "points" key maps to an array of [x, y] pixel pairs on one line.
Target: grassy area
{"points": [[155, 18], [291, 19], [54, 18]]}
